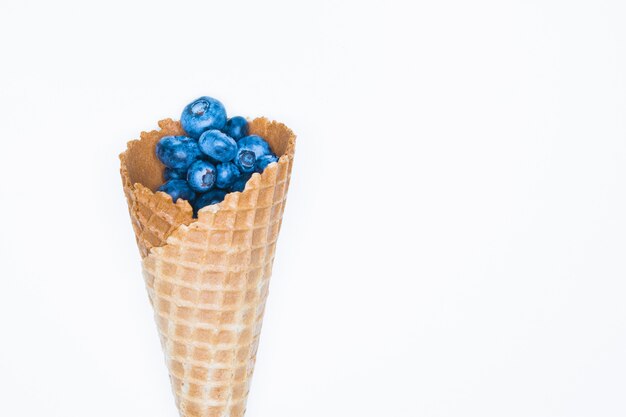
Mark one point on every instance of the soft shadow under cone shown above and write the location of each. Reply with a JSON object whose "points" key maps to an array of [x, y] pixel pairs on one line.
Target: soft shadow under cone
{"points": [[207, 278]]}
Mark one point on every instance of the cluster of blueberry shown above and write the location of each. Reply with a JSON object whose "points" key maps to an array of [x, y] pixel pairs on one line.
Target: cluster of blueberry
{"points": [[215, 158]]}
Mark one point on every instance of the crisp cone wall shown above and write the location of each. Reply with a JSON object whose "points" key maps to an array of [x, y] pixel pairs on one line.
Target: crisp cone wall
{"points": [[207, 278]]}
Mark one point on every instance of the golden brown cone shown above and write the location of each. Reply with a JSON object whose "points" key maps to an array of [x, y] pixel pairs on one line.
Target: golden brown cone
{"points": [[207, 278]]}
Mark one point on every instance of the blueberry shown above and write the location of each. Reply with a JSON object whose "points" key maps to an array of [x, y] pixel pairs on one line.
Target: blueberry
{"points": [[178, 189], [217, 145], [264, 161], [240, 183], [177, 152], [174, 174], [208, 198], [201, 176], [236, 127], [245, 160], [203, 114], [256, 144], [227, 173]]}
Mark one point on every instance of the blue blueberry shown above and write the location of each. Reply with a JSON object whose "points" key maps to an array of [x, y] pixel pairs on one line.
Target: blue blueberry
{"points": [[178, 189], [236, 127], [174, 174], [240, 183], [201, 176], [201, 115], [227, 173], [245, 160], [264, 161], [256, 144], [217, 145], [177, 152], [208, 198]]}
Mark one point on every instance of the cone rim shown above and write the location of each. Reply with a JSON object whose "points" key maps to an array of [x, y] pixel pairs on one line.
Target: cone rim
{"points": [[258, 126]]}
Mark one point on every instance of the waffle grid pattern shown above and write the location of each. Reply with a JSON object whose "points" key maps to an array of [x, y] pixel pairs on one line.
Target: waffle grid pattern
{"points": [[156, 218], [208, 282], [208, 286]]}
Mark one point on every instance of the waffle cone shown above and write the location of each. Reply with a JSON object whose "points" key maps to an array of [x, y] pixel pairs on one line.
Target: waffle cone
{"points": [[207, 278]]}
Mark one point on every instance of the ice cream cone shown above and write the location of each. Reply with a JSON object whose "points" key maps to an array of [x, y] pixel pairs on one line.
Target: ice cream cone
{"points": [[207, 278]]}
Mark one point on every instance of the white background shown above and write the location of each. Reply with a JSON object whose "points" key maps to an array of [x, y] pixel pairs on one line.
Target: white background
{"points": [[455, 238]]}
